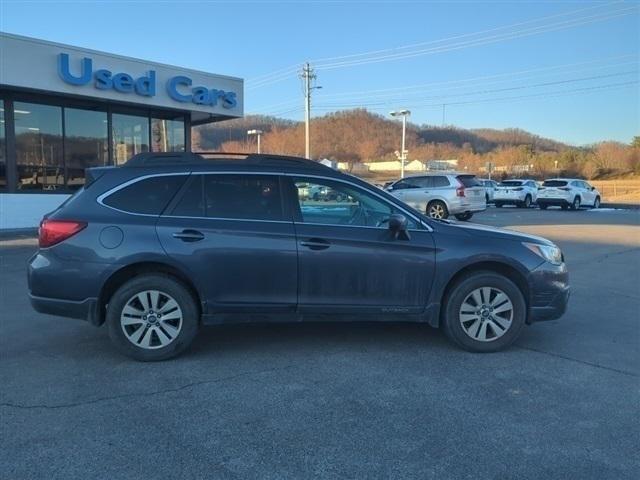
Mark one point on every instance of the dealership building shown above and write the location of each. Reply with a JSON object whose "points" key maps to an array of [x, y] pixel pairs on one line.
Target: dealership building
{"points": [[65, 108]]}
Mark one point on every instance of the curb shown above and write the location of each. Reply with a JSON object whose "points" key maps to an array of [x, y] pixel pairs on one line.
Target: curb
{"points": [[622, 206]]}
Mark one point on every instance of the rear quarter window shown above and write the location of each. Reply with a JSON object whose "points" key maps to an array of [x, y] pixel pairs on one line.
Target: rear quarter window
{"points": [[440, 181], [149, 196], [469, 181]]}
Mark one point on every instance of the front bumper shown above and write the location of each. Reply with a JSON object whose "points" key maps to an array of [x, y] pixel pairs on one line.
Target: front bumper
{"points": [[549, 292]]}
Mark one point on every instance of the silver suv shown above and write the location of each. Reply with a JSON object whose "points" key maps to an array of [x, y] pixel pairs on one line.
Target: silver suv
{"points": [[443, 194]]}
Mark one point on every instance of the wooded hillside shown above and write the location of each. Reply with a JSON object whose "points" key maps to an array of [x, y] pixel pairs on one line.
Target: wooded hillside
{"points": [[357, 136]]}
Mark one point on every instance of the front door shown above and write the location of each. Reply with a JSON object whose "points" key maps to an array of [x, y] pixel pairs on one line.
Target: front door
{"points": [[229, 233], [348, 260]]}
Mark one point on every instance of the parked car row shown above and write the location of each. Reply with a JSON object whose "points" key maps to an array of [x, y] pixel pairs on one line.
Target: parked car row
{"points": [[459, 194]]}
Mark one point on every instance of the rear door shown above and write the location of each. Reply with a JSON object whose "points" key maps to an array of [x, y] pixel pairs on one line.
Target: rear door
{"points": [[231, 234], [349, 261]]}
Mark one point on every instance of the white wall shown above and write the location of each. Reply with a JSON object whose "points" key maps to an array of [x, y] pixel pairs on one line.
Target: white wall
{"points": [[25, 210]]}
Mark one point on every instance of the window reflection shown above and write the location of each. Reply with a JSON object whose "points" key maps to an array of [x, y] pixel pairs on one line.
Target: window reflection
{"points": [[3, 148], [39, 146], [130, 136], [167, 135], [85, 143]]}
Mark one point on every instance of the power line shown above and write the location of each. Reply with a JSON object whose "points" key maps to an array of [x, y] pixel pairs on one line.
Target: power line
{"points": [[460, 83], [481, 41], [484, 92]]}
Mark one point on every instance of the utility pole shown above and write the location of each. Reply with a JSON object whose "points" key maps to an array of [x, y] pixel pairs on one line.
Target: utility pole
{"points": [[307, 77]]}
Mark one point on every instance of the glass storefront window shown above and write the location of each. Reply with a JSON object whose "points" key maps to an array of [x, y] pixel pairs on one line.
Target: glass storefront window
{"points": [[130, 136], [3, 148], [38, 130], [85, 143], [167, 135]]}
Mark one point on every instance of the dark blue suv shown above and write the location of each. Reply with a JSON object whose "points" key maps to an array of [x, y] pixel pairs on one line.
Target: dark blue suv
{"points": [[168, 242]]}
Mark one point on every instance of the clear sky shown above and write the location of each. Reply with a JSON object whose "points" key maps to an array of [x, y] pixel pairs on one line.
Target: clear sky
{"points": [[563, 69]]}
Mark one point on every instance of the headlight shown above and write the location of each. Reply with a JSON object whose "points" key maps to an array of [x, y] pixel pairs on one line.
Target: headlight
{"points": [[550, 253]]}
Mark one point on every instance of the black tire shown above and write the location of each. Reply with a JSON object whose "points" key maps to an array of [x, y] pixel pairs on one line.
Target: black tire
{"points": [[527, 202], [596, 203], [463, 217], [543, 206], [167, 285], [486, 198], [564, 207], [498, 204], [458, 293], [575, 205], [437, 206]]}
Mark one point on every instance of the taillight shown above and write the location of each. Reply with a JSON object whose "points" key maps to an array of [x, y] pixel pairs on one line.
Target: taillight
{"points": [[52, 232], [460, 189]]}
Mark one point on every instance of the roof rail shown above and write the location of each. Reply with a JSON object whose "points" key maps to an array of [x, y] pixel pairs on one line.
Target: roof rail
{"points": [[148, 159]]}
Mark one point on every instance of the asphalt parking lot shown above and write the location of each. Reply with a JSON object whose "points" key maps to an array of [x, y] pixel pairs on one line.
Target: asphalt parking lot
{"points": [[339, 400]]}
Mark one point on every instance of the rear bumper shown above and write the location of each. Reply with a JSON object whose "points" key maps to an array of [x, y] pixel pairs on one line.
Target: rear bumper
{"points": [[549, 292], [509, 199], [455, 208], [82, 309], [557, 202]]}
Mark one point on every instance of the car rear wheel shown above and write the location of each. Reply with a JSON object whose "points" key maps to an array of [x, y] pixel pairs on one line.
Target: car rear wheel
{"points": [[527, 202], [543, 206], [596, 203], [152, 317], [437, 209], [464, 216], [498, 205], [576, 204], [484, 312]]}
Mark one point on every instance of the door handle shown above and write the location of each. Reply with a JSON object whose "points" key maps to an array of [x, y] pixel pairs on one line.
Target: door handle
{"points": [[189, 235], [316, 244]]}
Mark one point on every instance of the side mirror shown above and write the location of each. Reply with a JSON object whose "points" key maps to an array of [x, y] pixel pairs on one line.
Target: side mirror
{"points": [[592, 188], [398, 226]]}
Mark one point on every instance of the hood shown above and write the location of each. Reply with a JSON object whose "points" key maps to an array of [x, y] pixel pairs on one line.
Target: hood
{"points": [[475, 229]]}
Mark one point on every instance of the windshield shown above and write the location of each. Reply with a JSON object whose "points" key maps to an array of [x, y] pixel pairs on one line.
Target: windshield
{"points": [[554, 183], [469, 181], [511, 183]]}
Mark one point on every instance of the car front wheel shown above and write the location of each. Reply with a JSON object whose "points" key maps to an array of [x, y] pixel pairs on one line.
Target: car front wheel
{"points": [[596, 203], [484, 312], [152, 317]]}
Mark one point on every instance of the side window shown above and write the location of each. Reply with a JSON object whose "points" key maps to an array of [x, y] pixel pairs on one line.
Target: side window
{"points": [[440, 181], [576, 184], [334, 203], [149, 196], [191, 204], [423, 182], [250, 197], [412, 182]]}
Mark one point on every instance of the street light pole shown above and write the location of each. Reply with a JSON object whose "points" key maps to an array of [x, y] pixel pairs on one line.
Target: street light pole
{"points": [[403, 153], [257, 133]]}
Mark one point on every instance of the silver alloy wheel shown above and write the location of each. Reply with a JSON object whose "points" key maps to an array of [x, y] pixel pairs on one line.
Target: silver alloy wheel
{"points": [[151, 319], [486, 314], [436, 211]]}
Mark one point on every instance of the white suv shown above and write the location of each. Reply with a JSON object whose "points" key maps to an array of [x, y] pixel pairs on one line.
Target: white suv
{"points": [[568, 193], [516, 192], [441, 195]]}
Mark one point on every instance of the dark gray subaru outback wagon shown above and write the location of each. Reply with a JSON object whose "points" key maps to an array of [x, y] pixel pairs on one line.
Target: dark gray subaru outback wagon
{"points": [[168, 242]]}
